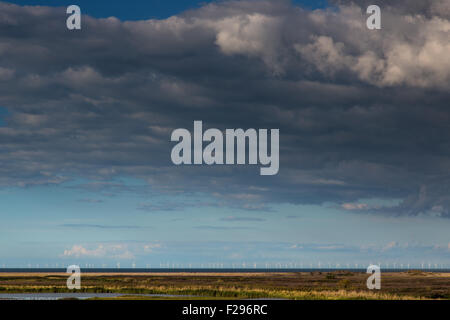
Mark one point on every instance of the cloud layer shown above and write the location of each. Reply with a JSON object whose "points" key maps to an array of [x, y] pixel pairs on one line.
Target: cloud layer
{"points": [[362, 114]]}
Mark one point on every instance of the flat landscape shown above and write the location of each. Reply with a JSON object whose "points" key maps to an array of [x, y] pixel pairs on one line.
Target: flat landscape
{"points": [[408, 285]]}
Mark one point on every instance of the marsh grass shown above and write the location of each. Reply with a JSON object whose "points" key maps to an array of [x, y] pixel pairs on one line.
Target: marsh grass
{"points": [[225, 292], [332, 285]]}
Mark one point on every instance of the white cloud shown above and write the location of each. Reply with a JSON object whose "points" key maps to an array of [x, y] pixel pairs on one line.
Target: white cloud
{"points": [[388, 60], [255, 35], [80, 251], [114, 251]]}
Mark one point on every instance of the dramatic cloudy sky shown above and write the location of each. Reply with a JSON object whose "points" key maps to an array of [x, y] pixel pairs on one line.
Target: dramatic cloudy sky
{"points": [[86, 118]]}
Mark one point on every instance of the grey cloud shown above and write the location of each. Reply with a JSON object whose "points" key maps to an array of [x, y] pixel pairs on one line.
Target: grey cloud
{"points": [[91, 200], [362, 114], [433, 199], [173, 205], [205, 227], [99, 226], [242, 219], [425, 7]]}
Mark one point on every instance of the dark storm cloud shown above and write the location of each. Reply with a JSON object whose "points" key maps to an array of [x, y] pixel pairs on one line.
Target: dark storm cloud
{"points": [[362, 114]]}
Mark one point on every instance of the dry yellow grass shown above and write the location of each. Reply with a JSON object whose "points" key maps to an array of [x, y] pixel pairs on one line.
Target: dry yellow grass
{"points": [[302, 285]]}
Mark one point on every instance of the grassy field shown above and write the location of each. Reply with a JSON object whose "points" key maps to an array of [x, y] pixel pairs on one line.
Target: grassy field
{"points": [[300, 285]]}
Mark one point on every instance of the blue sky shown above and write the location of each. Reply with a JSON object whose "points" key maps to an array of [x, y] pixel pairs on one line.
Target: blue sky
{"points": [[44, 226], [86, 177]]}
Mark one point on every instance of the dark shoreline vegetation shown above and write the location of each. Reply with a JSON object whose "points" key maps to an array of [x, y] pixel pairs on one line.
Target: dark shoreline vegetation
{"points": [[296, 285]]}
